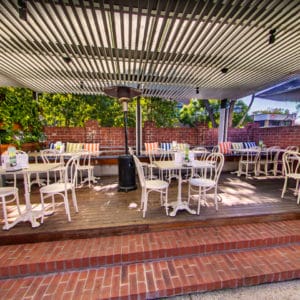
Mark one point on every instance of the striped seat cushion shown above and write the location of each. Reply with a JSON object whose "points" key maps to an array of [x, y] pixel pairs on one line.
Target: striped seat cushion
{"points": [[225, 147], [166, 146], [237, 146], [151, 146], [248, 145], [91, 147], [74, 147]]}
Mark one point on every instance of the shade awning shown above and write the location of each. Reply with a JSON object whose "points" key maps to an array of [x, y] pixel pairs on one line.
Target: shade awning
{"points": [[285, 91], [172, 49]]}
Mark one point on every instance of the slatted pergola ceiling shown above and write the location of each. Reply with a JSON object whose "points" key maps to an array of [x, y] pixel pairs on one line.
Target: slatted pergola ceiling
{"points": [[170, 49]]}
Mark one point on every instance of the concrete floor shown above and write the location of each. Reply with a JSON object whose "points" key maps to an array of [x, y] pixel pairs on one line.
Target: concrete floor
{"points": [[287, 290]]}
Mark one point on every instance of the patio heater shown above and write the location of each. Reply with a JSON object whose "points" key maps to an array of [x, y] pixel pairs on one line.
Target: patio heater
{"points": [[125, 162]]}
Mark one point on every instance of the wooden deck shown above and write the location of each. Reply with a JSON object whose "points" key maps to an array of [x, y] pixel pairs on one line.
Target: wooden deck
{"points": [[103, 210]]}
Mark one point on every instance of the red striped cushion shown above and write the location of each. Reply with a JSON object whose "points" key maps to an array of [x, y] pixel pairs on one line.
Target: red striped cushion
{"points": [[91, 147], [225, 147], [151, 146]]}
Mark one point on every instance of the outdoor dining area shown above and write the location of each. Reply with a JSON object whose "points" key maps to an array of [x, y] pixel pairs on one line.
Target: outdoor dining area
{"points": [[150, 176], [177, 186]]}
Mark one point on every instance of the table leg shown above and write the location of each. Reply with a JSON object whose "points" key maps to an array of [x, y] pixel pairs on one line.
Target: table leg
{"points": [[29, 215], [180, 205]]}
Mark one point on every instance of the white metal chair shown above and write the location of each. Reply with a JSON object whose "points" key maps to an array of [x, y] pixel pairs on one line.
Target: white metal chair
{"points": [[200, 153], [248, 161], [153, 156], [61, 188], [148, 186], [278, 166], [53, 156], [207, 181], [9, 195], [292, 148], [85, 167], [291, 165], [267, 161]]}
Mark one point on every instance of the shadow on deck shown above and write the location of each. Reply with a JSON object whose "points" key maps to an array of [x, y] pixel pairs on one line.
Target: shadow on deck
{"points": [[103, 210]]}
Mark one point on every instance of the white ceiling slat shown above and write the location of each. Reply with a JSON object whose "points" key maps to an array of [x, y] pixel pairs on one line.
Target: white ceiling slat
{"points": [[71, 50], [205, 29], [33, 53], [166, 48], [91, 41], [234, 55]]}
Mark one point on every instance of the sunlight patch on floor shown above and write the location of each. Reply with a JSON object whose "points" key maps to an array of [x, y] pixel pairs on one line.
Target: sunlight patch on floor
{"points": [[106, 187]]}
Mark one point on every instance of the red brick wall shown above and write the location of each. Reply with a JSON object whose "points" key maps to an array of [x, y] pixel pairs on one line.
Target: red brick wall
{"points": [[279, 136], [91, 133], [200, 135]]}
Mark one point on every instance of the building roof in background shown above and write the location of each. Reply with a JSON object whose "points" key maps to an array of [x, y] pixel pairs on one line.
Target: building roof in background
{"points": [[275, 117], [170, 49]]}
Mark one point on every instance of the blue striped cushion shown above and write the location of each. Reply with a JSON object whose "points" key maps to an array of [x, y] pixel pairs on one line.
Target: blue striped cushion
{"points": [[249, 145]]}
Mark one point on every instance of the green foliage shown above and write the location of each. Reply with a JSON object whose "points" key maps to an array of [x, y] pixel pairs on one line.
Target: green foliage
{"points": [[17, 106], [162, 112], [195, 112], [240, 108], [64, 109]]}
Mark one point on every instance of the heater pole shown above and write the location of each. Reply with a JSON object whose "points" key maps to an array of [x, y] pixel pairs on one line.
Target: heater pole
{"points": [[125, 131]]}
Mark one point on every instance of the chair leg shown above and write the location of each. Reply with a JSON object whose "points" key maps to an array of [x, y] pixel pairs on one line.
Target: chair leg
{"points": [[74, 199], [53, 203], [67, 207], [284, 187], [189, 193], [43, 207], [18, 202], [199, 201], [145, 204], [142, 199], [166, 202], [5, 227], [216, 199]]}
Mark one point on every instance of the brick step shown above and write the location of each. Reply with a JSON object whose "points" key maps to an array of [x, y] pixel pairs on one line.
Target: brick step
{"points": [[161, 278], [61, 256]]}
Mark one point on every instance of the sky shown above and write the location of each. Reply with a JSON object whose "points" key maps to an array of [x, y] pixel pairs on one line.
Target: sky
{"points": [[260, 104]]}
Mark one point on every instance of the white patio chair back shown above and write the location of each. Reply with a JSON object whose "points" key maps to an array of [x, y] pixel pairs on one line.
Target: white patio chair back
{"points": [[9, 195], [153, 155], [200, 153], [291, 165], [148, 186], [85, 166], [292, 148], [53, 156], [248, 161], [61, 188], [215, 163], [50, 156], [267, 161], [208, 180], [140, 171]]}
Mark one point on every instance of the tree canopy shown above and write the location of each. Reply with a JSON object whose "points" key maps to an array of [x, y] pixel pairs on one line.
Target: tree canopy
{"points": [[74, 110]]}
